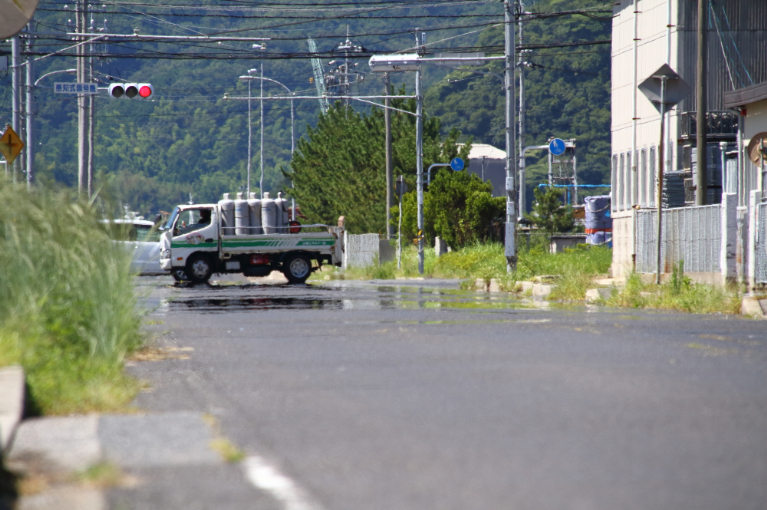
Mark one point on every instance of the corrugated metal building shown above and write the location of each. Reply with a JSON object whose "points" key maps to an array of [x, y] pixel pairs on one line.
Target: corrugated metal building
{"points": [[664, 31]]}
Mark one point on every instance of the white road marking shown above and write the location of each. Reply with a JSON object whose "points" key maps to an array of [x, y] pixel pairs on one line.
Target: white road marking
{"points": [[268, 478]]}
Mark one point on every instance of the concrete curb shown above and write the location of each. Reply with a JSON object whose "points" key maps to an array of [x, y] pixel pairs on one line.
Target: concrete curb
{"points": [[754, 307], [11, 403]]}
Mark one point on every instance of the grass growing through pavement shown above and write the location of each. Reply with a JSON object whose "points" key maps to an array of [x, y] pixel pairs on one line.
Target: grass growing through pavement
{"points": [[679, 294], [67, 307], [573, 270]]}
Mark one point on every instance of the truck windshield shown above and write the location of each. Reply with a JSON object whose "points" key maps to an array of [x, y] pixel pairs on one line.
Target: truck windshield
{"points": [[170, 221]]}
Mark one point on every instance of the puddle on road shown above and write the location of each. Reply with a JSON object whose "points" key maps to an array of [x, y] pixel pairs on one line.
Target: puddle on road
{"points": [[233, 304]]}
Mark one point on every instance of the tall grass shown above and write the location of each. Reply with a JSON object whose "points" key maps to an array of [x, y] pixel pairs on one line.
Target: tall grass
{"points": [[67, 308]]}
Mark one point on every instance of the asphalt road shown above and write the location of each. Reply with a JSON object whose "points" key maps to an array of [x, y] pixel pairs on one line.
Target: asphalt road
{"points": [[416, 395]]}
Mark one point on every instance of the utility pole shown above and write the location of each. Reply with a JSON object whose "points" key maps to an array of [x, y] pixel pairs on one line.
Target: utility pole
{"points": [[261, 128], [700, 85], [419, 154], [30, 113], [91, 101], [511, 143], [82, 139], [16, 86], [389, 183], [520, 64]]}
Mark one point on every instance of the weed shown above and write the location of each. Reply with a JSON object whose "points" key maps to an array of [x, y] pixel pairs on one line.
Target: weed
{"points": [[67, 304], [228, 451]]}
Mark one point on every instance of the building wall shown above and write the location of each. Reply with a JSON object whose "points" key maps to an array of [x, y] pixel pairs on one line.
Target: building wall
{"points": [[738, 29], [756, 120]]}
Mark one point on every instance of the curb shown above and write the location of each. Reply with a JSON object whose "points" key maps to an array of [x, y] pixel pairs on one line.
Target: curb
{"points": [[754, 307], [11, 402]]}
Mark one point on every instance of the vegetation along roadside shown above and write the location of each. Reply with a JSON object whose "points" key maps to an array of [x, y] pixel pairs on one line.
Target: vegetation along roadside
{"points": [[67, 305]]}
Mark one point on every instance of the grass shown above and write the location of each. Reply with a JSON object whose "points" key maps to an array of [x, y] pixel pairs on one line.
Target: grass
{"points": [[67, 305], [679, 294], [572, 270]]}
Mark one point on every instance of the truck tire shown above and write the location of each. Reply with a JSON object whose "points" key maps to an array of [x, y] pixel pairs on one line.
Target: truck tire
{"points": [[199, 268], [297, 268]]}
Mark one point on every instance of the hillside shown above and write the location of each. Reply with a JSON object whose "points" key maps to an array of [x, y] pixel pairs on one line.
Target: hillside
{"points": [[189, 140]]}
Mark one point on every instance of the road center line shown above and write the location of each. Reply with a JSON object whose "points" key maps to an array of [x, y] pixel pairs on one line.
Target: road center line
{"points": [[268, 478]]}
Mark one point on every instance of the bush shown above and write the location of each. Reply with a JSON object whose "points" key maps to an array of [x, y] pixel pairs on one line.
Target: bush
{"points": [[458, 207], [67, 307]]}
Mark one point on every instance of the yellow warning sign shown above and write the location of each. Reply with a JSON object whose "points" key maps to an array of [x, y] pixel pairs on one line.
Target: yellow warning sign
{"points": [[10, 144]]}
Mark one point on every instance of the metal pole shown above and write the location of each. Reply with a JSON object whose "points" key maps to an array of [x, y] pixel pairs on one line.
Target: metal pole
{"points": [[30, 115], [551, 175], [16, 92], [511, 160], [575, 178], [399, 232], [250, 136], [81, 106], [419, 161], [387, 122], [701, 196], [659, 199], [261, 182], [635, 116], [91, 121], [522, 190], [292, 128]]}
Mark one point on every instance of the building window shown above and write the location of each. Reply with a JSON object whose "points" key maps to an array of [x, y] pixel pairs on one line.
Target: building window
{"points": [[621, 181], [644, 179], [614, 184], [653, 184]]}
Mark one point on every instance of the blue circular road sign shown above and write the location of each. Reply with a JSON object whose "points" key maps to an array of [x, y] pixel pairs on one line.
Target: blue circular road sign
{"points": [[556, 147], [456, 164]]}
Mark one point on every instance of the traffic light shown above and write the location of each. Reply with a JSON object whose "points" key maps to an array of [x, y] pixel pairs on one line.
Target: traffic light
{"points": [[131, 90]]}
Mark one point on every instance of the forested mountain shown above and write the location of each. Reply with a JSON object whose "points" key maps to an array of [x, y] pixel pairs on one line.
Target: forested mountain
{"points": [[189, 140]]}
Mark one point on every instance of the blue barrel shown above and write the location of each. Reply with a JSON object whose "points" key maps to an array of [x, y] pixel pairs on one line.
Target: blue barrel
{"points": [[599, 223]]}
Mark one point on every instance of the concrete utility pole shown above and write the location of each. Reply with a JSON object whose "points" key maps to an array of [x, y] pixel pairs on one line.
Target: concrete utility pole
{"points": [[261, 129], [701, 90], [419, 155], [91, 103], [82, 106], [30, 141], [16, 92], [389, 177], [520, 65], [511, 143]]}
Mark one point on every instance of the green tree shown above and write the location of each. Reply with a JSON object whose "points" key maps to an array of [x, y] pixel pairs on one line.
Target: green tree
{"points": [[548, 212], [339, 167], [458, 207]]}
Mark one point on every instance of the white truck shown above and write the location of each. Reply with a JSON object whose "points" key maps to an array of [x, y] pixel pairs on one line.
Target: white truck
{"points": [[253, 237]]}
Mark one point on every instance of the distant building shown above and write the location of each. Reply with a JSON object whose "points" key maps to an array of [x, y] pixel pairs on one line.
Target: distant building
{"points": [[666, 32], [489, 163]]}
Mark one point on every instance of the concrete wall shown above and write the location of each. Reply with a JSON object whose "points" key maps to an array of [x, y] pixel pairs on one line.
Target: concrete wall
{"points": [[360, 250], [623, 244], [755, 121]]}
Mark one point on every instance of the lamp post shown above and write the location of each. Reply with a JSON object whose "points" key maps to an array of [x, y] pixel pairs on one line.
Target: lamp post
{"points": [[261, 78]]}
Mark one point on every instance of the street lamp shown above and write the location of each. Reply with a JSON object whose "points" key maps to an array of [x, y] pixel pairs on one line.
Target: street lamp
{"points": [[261, 78]]}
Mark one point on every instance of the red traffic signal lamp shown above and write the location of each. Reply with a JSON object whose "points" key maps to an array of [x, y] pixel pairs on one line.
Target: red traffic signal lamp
{"points": [[131, 90]]}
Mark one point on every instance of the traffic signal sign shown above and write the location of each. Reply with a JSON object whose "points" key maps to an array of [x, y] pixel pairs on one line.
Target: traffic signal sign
{"points": [[131, 90]]}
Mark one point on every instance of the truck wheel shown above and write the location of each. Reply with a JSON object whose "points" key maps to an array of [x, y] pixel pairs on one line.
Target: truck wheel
{"points": [[179, 275], [297, 268], [199, 268]]}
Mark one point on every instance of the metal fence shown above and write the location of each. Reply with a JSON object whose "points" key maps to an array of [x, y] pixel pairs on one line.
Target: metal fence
{"points": [[761, 244], [691, 234]]}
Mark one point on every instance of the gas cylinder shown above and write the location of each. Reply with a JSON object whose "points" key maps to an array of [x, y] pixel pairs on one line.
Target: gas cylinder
{"points": [[241, 216], [268, 215], [254, 205], [282, 214], [227, 215]]}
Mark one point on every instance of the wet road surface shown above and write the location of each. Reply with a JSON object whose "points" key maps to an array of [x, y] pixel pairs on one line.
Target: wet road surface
{"points": [[417, 395]]}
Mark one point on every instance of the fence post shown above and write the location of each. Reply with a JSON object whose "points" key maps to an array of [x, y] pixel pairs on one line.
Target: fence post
{"points": [[753, 199], [729, 232]]}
